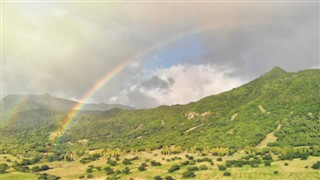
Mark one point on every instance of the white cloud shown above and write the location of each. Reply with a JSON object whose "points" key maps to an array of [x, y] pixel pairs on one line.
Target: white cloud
{"points": [[186, 83], [193, 82]]}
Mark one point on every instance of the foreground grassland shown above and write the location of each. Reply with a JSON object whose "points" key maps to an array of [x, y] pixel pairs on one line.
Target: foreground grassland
{"points": [[288, 169]]}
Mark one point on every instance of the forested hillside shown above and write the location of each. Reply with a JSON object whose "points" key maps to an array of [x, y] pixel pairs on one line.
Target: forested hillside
{"points": [[235, 119]]}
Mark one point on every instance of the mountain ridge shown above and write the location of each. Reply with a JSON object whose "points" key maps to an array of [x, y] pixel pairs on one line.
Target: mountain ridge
{"points": [[28, 102], [241, 117]]}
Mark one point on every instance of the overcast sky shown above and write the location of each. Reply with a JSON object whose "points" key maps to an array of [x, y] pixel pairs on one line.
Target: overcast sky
{"points": [[179, 52]]}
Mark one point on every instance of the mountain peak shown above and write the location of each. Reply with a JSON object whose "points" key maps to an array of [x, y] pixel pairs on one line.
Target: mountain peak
{"points": [[276, 71]]}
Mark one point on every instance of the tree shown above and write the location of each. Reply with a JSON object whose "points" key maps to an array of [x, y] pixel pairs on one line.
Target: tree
{"points": [[3, 168]]}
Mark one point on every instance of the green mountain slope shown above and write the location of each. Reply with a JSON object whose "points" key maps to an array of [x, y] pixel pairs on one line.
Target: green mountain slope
{"points": [[29, 102], [237, 118]]}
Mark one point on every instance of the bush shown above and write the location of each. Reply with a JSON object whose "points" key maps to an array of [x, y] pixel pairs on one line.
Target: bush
{"points": [[126, 170], [3, 168], [109, 170], [168, 178], [193, 168], [267, 157], [188, 174], [316, 165], [89, 176], [126, 161], [226, 173], [184, 163], [174, 168], [89, 170], [155, 163], [142, 168], [157, 178], [286, 164], [112, 163], [222, 168], [81, 177], [219, 159], [275, 172], [203, 167], [44, 167], [267, 163], [35, 169]]}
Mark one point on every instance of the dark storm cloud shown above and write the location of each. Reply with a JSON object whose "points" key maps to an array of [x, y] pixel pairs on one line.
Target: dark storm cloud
{"points": [[290, 41]]}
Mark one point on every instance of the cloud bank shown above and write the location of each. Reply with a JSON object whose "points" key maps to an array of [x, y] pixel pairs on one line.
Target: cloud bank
{"points": [[180, 51]]}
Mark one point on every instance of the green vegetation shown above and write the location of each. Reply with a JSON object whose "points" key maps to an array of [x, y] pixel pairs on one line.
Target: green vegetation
{"points": [[200, 139]]}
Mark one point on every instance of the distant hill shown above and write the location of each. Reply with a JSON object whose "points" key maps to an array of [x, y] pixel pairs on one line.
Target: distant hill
{"points": [[283, 103], [30, 102]]}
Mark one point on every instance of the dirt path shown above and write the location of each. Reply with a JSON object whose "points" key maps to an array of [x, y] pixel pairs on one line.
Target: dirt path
{"points": [[193, 128], [269, 138]]}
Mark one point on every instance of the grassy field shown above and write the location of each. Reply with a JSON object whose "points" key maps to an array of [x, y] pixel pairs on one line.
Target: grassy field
{"points": [[296, 169]]}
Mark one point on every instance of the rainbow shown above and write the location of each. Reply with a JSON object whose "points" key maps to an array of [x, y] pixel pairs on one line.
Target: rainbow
{"points": [[68, 121], [15, 107]]}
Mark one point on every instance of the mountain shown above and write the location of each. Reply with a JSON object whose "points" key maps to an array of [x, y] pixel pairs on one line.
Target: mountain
{"points": [[29, 102], [283, 103]]}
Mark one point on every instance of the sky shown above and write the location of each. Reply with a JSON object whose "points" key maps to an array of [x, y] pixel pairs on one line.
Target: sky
{"points": [[176, 52]]}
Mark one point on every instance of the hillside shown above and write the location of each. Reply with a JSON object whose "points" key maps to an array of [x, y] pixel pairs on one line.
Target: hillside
{"points": [[14, 103], [237, 118]]}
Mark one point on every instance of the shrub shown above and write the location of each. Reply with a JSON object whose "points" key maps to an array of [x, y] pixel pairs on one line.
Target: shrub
{"points": [[35, 169], [155, 163], [184, 163], [286, 164], [89, 176], [173, 168], [188, 174], [141, 168], [267, 163], [193, 168], [157, 178], [126, 161], [168, 178], [44, 167], [126, 170], [89, 170], [111, 162], [203, 167], [222, 168], [275, 172], [316, 165], [226, 173], [219, 159], [81, 177], [3, 168]]}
